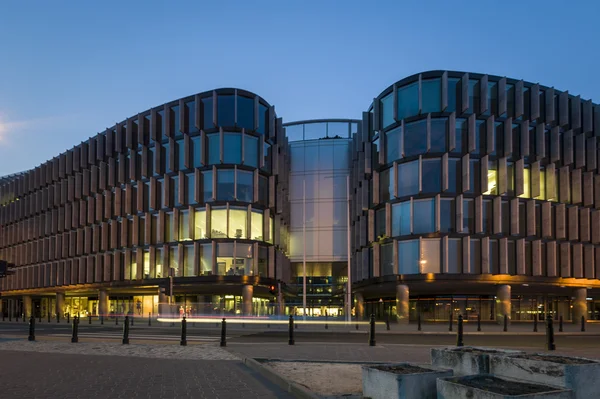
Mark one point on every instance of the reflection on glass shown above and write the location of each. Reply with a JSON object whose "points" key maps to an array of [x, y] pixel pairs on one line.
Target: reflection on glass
{"points": [[214, 157], [393, 141], [225, 110], [207, 105], [206, 259], [218, 223], [415, 138], [468, 216], [190, 116], [250, 151], [314, 131], [408, 100], [232, 148], [438, 135], [430, 256], [200, 232], [431, 90], [225, 259], [197, 151], [262, 120], [245, 186], [387, 110], [190, 185], [408, 257], [180, 155], [238, 219], [455, 255], [380, 223], [337, 129], [432, 175], [408, 178], [423, 216], [225, 185], [447, 217]]}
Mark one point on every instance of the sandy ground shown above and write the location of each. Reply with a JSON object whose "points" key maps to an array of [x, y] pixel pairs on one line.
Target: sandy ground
{"points": [[323, 378]]}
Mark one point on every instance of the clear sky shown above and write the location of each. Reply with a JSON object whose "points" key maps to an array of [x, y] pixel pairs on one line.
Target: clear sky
{"points": [[68, 70]]}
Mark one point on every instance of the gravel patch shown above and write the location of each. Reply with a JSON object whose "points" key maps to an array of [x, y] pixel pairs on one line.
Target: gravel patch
{"points": [[325, 379], [193, 352]]}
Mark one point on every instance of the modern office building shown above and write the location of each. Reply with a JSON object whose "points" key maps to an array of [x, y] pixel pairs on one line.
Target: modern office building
{"points": [[459, 192]]}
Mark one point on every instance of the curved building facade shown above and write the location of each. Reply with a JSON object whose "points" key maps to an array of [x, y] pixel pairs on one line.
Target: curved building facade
{"points": [[478, 194], [455, 193]]}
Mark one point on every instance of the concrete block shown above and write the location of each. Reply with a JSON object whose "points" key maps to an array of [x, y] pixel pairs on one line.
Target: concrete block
{"points": [[579, 374], [467, 360], [403, 380], [491, 387]]}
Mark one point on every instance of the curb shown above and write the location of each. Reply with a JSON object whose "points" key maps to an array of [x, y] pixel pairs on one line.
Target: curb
{"points": [[295, 389]]}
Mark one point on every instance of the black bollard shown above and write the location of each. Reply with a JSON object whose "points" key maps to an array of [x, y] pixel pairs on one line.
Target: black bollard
{"points": [[357, 326], [89, 319], [132, 319], [75, 338], [117, 320], [550, 334], [459, 332], [535, 319], [149, 319], [9, 316], [48, 317], [372, 331], [31, 329], [223, 332], [387, 324], [478, 322], [450, 327], [183, 332], [101, 319], [291, 328], [40, 318], [560, 324], [505, 323], [58, 317], [582, 323], [419, 321], [126, 331]]}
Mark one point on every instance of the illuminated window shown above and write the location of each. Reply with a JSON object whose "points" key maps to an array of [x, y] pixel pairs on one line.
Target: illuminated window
{"points": [[218, 223], [244, 260], [200, 232], [492, 187], [184, 226], [257, 226], [169, 227], [225, 259], [238, 219], [526, 184], [206, 259], [146, 264], [542, 195], [188, 260], [159, 265], [430, 256], [174, 261]]}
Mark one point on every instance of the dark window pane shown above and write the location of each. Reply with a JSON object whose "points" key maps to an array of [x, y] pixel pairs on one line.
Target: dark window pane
{"points": [[207, 179], [263, 191], [380, 223], [408, 100], [468, 216], [432, 95], [196, 151], [447, 216], [438, 135], [487, 215], [473, 96], [225, 185], [190, 185], [245, 112], [180, 154], [387, 110], [423, 216], [476, 256], [250, 151], [207, 104], [432, 174], [454, 176], [214, 148], [174, 193], [386, 185], [190, 116], [455, 255], [245, 186], [512, 257], [262, 119], [452, 86], [415, 138], [408, 257], [505, 218], [175, 126], [474, 177], [401, 218], [408, 178], [387, 259], [268, 157], [494, 257], [232, 148], [226, 110], [160, 125], [393, 139]]}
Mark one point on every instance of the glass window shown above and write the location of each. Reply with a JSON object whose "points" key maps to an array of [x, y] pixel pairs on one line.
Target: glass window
{"points": [[226, 110], [480, 136], [206, 259], [232, 148], [207, 104], [386, 253], [452, 94], [431, 90], [468, 216], [511, 257], [487, 216], [245, 186], [510, 179], [225, 259], [250, 151], [408, 100], [401, 218], [214, 143], [150, 161], [268, 157], [393, 139], [159, 264], [430, 256], [492, 98], [313, 131], [438, 135], [190, 116], [160, 125], [386, 185], [225, 185], [169, 227], [492, 177], [408, 178], [454, 176], [188, 261], [474, 177], [166, 155], [423, 216], [244, 260], [238, 220], [263, 191], [526, 184], [476, 256], [415, 138], [294, 132], [262, 119], [180, 154], [338, 129], [174, 194], [447, 215], [432, 175], [263, 261], [455, 255], [473, 96], [184, 226], [147, 272], [461, 136], [245, 112], [190, 184], [175, 126], [522, 219], [505, 217], [207, 182], [408, 257], [494, 257], [200, 232], [387, 110], [174, 261], [218, 223], [380, 223], [257, 225]]}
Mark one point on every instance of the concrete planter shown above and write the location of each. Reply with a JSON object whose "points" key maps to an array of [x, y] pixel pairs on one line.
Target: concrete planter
{"points": [[490, 387], [467, 360], [401, 380], [579, 374]]}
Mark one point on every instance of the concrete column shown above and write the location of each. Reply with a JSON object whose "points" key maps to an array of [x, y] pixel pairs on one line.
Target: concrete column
{"points": [[60, 304], [402, 303], [503, 305], [579, 304], [247, 292], [27, 306], [102, 303], [360, 306]]}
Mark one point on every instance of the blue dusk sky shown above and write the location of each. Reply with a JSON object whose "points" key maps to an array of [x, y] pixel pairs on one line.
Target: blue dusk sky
{"points": [[68, 70]]}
